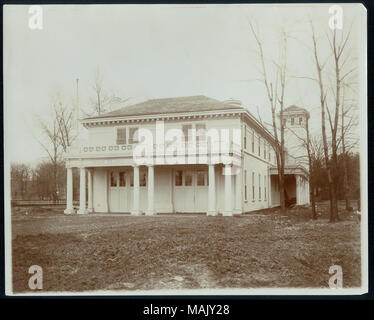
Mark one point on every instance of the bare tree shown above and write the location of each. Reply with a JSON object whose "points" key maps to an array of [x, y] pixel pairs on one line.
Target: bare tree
{"points": [[323, 94], [64, 117], [338, 47], [58, 135], [103, 101], [346, 127], [275, 91], [52, 146]]}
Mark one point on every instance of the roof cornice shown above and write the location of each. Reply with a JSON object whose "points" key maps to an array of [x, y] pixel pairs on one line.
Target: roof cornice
{"points": [[163, 116]]}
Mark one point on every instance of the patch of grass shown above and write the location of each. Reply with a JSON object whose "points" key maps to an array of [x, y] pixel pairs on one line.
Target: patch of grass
{"points": [[124, 252]]}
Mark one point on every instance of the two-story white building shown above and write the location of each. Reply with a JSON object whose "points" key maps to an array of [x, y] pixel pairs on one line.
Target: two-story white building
{"points": [[229, 164]]}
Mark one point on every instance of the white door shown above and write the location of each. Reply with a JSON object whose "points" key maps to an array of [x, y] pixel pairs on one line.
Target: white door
{"points": [[201, 191], [190, 191], [123, 191], [119, 191], [113, 192]]}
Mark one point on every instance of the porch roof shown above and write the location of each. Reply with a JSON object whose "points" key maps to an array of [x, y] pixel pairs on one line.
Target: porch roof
{"points": [[300, 170]]}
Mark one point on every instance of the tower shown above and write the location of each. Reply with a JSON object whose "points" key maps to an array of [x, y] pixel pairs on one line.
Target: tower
{"points": [[295, 134]]}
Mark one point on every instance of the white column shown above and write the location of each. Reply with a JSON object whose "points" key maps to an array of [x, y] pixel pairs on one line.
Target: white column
{"points": [[212, 192], [82, 192], [90, 196], [135, 202], [69, 191], [238, 192], [228, 207], [151, 191]]}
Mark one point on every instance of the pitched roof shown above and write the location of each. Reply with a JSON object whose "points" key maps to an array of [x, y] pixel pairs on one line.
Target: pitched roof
{"points": [[294, 108], [170, 105]]}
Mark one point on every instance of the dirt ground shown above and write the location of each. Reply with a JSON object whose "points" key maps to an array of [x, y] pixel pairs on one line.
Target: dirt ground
{"points": [[257, 250]]}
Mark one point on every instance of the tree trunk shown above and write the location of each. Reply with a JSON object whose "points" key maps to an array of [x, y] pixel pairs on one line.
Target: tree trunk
{"points": [[311, 177], [345, 174]]}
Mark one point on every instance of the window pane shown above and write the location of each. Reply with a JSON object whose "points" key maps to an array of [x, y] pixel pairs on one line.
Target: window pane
{"points": [[186, 128], [131, 180], [143, 179], [121, 135], [200, 178], [178, 178], [253, 185], [201, 131], [259, 186], [188, 179], [245, 184], [122, 179], [133, 138], [113, 179]]}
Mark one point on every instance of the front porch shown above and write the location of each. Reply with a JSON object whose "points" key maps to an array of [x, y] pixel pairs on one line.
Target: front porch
{"points": [[153, 189], [296, 186]]}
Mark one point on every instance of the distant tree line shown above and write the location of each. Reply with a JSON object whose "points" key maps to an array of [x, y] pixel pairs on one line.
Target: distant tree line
{"points": [[29, 183], [352, 186]]}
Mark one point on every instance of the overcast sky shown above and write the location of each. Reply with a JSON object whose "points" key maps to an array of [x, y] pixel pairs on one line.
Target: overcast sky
{"points": [[147, 52]]}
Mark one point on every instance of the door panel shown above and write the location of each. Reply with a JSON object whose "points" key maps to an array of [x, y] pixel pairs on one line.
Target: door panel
{"points": [[201, 191], [122, 192], [119, 191], [113, 192], [190, 191]]}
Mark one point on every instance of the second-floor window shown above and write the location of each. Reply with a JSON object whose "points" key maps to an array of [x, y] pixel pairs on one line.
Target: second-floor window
{"points": [[264, 150], [133, 135], [253, 142], [201, 132], [121, 135], [259, 146], [186, 131]]}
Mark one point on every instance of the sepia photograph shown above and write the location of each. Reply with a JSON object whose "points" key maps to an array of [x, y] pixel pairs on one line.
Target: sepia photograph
{"points": [[206, 149]]}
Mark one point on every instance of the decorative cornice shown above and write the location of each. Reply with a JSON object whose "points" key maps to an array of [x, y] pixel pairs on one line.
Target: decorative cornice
{"points": [[157, 117]]}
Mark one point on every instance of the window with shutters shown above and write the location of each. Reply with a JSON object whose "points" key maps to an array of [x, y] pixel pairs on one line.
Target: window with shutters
{"points": [[259, 187], [133, 135], [121, 136], [253, 186]]}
